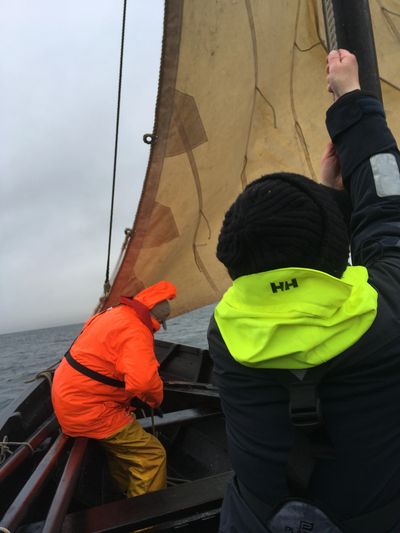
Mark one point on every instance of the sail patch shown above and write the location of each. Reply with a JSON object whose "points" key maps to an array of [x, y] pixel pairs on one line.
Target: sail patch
{"points": [[162, 227], [187, 130]]}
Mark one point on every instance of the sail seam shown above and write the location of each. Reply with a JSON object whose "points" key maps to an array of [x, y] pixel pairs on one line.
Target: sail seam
{"points": [[196, 177], [250, 18], [298, 129], [386, 15]]}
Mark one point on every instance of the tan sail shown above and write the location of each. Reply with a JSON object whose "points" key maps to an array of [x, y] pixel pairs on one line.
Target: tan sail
{"points": [[242, 93]]}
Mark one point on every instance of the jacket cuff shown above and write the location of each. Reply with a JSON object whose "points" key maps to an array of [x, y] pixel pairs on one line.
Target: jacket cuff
{"points": [[357, 125], [350, 109]]}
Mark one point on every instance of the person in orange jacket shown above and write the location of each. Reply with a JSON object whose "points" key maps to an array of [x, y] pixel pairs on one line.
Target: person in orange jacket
{"points": [[111, 362]]}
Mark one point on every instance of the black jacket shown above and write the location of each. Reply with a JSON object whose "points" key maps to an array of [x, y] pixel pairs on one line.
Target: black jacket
{"points": [[360, 395]]}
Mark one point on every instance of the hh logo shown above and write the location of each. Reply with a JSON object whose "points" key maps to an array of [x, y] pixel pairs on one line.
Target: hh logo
{"points": [[284, 285]]}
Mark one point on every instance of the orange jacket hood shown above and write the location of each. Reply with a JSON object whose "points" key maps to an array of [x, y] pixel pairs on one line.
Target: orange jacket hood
{"points": [[163, 290]]}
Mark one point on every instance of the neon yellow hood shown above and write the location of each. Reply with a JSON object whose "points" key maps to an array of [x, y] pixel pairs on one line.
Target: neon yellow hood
{"points": [[295, 317]]}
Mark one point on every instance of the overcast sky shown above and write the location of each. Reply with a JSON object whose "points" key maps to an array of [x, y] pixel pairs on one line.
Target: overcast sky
{"points": [[59, 66]]}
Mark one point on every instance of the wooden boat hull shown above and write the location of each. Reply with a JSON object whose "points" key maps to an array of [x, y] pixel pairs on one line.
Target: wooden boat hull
{"points": [[56, 483]]}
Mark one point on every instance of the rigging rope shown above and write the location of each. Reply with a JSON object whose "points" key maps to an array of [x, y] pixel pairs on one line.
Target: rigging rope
{"points": [[107, 279], [330, 24]]}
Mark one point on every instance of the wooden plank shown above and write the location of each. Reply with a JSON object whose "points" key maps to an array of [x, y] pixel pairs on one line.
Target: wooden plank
{"points": [[180, 417], [174, 503]]}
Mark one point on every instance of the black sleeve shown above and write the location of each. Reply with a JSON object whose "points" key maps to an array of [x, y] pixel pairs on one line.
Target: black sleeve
{"points": [[342, 200], [370, 163]]}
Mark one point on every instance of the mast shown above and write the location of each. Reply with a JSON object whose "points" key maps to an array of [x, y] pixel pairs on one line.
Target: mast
{"points": [[348, 25]]}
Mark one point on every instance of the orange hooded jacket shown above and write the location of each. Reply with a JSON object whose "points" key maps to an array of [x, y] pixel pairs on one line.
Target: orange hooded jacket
{"points": [[117, 344]]}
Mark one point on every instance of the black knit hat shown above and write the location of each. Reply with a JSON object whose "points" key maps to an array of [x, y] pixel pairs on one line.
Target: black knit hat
{"points": [[283, 220]]}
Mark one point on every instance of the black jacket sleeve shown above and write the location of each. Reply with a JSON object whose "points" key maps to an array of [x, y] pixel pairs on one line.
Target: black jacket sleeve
{"points": [[370, 163]]}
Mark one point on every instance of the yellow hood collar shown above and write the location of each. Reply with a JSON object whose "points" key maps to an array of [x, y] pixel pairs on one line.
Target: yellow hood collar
{"points": [[295, 317]]}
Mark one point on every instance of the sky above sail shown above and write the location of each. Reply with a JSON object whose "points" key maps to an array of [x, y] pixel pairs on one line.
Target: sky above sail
{"points": [[59, 69]]}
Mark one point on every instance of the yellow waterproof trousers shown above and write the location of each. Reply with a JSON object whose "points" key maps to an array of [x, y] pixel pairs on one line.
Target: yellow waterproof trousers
{"points": [[136, 459]]}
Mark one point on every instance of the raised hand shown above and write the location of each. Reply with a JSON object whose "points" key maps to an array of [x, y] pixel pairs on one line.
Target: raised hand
{"points": [[342, 72]]}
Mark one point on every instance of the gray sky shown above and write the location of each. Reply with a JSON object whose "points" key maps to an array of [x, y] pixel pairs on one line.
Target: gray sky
{"points": [[59, 66]]}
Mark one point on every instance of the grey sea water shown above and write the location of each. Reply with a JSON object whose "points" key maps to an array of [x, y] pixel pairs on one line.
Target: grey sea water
{"points": [[24, 354]]}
